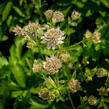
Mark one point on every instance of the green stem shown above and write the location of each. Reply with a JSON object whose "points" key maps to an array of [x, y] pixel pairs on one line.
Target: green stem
{"points": [[73, 107], [69, 96], [46, 79]]}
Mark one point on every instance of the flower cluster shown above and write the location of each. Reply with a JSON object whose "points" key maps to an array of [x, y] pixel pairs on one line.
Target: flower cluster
{"points": [[101, 72], [64, 56], [52, 65], [74, 85], [102, 91], [49, 13], [56, 16], [45, 94], [53, 37], [92, 100], [95, 36]]}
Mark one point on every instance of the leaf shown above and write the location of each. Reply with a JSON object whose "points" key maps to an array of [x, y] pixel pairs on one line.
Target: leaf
{"points": [[105, 106], [36, 105], [105, 2], [64, 2], [19, 75], [7, 10], [106, 100], [19, 11], [4, 38], [3, 61]]}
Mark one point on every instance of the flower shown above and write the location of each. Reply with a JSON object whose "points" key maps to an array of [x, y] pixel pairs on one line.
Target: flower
{"points": [[74, 85], [45, 94], [64, 56], [49, 13], [53, 37], [32, 30], [92, 100], [58, 16], [52, 65], [102, 91], [101, 72], [96, 37], [18, 30], [88, 34], [37, 66], [75, 15]]}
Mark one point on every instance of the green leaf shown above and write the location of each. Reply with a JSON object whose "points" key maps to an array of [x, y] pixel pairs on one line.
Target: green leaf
{"points": [[3, 61], [7, 10], [105, 2], [4, 38], [19, 11], [36, 105], [64, 2], [19, 75], [105, 106]]}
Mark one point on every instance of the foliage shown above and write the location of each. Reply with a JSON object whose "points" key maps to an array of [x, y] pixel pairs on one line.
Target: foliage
{"points": [[59, 58]]}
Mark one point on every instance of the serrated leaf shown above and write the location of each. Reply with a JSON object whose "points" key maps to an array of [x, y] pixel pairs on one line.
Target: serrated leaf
{"points": [[19, 75]]}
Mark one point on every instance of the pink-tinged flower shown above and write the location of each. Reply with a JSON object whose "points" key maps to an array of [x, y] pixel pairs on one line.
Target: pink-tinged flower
{"points": [[58, 16], [52, 65], [18, 30], [53, 37]]}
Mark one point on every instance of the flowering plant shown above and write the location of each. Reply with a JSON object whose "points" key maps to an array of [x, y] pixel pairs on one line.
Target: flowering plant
{"points": [[59, 59]]}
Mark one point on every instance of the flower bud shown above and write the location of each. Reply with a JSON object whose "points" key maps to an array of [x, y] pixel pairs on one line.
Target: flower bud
{"points": [[101, 72], [49, 13], [44, 94], [102, 91], [37, 66], [57, 17], [75, 15], [92, 100], [74, 85], [64, 56]]}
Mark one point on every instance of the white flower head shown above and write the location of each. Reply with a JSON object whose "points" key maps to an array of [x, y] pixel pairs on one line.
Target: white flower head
{"points": [[74, 85], [49, 13], [58, 16], [53, 37], [32, 30], [75, 15], [52, 65], [92, 100]]}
